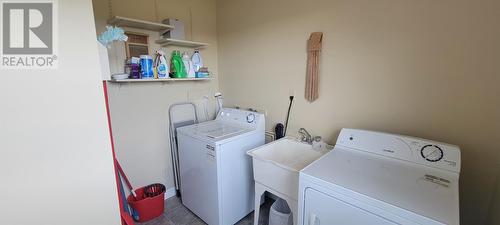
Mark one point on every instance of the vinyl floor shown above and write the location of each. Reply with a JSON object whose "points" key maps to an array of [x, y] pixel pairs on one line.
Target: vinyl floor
{"points": [[177, 214]]}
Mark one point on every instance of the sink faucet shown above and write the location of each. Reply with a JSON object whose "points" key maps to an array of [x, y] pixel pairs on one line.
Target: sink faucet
{"points": [[305, 136]]}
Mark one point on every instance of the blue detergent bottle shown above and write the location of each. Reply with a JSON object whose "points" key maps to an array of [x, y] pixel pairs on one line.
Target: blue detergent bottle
{"points": [[146, 67]]}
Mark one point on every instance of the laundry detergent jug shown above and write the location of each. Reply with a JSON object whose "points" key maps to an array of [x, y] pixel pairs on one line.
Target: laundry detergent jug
{"points": [[178, 69]]}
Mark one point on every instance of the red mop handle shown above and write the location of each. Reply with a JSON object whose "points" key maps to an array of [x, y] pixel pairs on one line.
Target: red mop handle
{"points": [[120, 170]]}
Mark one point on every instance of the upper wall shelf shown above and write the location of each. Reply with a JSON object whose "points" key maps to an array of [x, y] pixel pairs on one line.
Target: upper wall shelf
{"points": [[148, 25], [141, 24], [183, 43], [159, 80]]}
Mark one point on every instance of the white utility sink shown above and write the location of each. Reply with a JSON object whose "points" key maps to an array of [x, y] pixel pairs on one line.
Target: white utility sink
{"points": [[276, 165]]}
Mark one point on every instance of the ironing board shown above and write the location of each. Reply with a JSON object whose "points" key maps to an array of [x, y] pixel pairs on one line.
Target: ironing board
{"points": [[180, 114]]}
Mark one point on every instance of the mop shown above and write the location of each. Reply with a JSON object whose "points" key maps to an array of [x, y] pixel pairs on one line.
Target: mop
{"points": [[133, 213]]}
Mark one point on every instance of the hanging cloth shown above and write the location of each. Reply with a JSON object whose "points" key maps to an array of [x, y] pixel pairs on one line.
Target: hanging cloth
{"points": [[314, 45]]}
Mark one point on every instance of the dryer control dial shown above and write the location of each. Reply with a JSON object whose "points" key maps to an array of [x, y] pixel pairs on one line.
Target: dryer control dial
{"points": [[250, 117], [432, 153]]}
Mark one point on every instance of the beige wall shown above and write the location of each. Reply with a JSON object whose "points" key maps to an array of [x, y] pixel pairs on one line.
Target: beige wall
{"points": [[422, 68], [139, 112], [56, 165]]}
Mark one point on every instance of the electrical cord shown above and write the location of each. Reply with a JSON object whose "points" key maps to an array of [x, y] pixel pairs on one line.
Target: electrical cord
{"points": [[288, 114]]}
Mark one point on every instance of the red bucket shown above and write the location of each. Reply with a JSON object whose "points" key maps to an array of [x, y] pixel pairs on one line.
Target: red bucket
{"points": [[149, 203]]}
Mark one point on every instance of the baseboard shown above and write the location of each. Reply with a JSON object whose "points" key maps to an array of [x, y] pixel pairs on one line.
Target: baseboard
{"points": [[170, 192]]}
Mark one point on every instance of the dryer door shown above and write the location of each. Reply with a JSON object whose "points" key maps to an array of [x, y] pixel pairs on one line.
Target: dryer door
{"points": [[323, 209]]}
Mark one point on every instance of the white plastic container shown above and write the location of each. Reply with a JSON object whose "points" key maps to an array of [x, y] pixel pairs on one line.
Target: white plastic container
{"points": [[178, 32], [280, 213], [197, 61], [188, 64]]}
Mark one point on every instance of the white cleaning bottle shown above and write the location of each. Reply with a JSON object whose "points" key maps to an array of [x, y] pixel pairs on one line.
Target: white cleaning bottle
{"points": [[161, 64], [188, 64], [197, 61]]}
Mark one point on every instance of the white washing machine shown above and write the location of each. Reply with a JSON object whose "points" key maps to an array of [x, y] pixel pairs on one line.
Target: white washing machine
{"points": [[373, 178], [215, 172]]}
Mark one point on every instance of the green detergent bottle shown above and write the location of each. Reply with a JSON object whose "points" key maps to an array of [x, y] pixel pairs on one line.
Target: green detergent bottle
{"points": [[178, 66]]}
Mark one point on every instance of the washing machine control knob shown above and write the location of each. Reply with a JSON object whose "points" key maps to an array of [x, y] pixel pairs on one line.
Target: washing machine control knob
{"points": [[432, 153], [250, 117]]}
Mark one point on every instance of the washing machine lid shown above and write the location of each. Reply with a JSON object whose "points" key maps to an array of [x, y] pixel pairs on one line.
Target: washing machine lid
{"points": [[217, 130], [214, 130], [427, 191]]}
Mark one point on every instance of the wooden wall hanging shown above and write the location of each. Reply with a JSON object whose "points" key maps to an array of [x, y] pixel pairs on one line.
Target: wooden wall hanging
{"points": [[314, 45]]}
